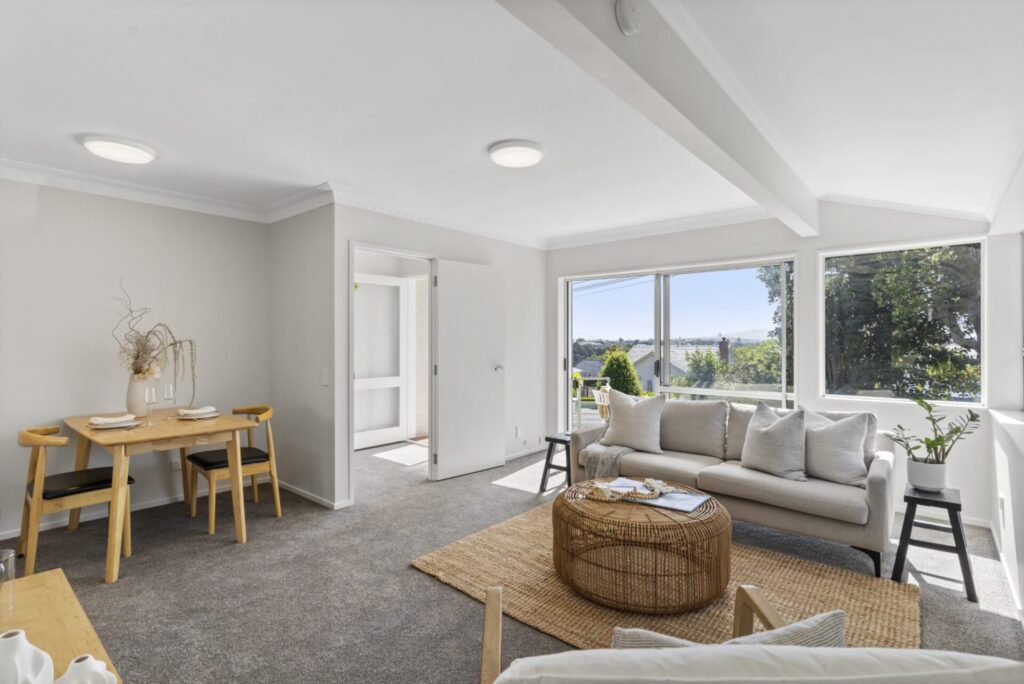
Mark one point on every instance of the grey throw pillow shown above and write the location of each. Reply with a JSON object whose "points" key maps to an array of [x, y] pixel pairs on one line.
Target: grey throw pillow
{"points": [[634, 422], [835, 449], [775, 444], [823, 630]]}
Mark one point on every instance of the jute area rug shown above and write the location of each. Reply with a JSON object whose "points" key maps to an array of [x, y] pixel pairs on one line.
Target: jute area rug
{"points": [[516, 555]]}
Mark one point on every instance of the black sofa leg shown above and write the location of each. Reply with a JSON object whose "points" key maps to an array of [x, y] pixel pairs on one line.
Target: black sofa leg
{"points": [[876, 557]]}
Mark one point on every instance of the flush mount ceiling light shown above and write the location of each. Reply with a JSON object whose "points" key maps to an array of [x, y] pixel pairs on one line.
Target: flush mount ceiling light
{"points": [[118, 150], [515, 154]]}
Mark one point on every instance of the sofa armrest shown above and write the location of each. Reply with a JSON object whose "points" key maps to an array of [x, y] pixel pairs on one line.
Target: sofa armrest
{"points": [[880, 499], [578, 441]]}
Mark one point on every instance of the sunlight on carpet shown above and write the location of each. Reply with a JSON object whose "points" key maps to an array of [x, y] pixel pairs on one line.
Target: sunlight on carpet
{"points": [[528, 479], [407, 455]]}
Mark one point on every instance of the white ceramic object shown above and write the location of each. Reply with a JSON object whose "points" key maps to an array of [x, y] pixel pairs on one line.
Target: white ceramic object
{"points": [[136, 398], [21, 662], [928, 477], [87, 670]]}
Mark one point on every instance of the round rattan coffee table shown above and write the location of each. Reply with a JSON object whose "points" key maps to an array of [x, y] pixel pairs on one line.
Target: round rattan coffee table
{"points": [[638, 557]]}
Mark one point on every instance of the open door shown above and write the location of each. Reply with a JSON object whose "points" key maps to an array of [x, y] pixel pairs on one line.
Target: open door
{"points": [[468, 407]]}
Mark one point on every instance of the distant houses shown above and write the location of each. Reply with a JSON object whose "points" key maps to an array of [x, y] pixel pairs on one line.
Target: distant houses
{"points": [[642, 356]]}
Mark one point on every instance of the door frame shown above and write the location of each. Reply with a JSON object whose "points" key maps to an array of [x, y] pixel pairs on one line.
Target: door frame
{"points": [[355, 246]]}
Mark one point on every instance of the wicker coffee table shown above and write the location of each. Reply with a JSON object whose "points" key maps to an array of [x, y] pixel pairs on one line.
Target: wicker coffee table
{"points": [[641, 558]]}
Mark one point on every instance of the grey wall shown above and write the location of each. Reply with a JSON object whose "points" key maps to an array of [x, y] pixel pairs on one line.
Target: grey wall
{"points": [[62, 255]]}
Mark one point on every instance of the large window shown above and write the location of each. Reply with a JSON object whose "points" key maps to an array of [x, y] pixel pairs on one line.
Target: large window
{"points": [[904, 323], [695, 334]]}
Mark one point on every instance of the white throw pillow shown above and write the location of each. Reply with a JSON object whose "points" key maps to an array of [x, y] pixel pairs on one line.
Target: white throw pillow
{"points": [[823, 630], [775, 444], [835, 449], [634, 422]]}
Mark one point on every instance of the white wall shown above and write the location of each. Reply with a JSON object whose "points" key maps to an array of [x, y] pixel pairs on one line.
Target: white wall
{"points": [[842, 226], [1008, 499], [302, 346], [62, 255], [522, 269]]}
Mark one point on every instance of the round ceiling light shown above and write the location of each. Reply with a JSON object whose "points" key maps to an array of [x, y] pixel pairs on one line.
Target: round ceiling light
{"points": [[119, 150], [515, 154]]}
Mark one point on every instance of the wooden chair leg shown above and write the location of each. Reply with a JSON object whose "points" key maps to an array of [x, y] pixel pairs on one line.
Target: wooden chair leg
{"points": [[192, 495], [276, 491], [185, 477], [32, 542], [126, 536], [211, 525], [23, 537], [255, 489]]}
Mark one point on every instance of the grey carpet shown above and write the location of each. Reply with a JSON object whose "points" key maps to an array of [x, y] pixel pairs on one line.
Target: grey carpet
{"points": [[330, 596]]}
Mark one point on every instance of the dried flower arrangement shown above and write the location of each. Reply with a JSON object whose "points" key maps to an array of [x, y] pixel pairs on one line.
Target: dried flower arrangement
{"points": [[146, 352]]}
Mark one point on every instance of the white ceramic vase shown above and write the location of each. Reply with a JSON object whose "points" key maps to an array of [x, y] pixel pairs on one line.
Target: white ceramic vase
{"points": [[21, 662], [136, 398], [928, 477], [87, 670]]}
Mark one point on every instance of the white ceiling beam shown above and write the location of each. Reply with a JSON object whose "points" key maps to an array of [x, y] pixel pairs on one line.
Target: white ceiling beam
{"points": [[660, 77], [1009, 217]]}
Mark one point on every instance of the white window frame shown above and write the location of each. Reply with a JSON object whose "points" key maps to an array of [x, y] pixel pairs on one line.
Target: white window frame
{"points": [[662, 331], [903, 247]]}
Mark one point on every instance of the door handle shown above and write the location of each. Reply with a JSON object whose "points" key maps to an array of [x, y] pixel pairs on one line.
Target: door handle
{"points": [[499, 368]]}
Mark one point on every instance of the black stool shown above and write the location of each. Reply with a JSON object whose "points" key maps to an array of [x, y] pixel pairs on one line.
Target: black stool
{"points": [[553, 440], [950, 500]]}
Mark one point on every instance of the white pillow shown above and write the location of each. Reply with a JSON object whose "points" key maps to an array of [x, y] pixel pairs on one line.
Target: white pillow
{"points": [[835, 449], [775, 444], [826, 630], [634, 422]]}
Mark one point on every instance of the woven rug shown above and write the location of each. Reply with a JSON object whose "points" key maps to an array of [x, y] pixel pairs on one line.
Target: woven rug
{"points": [[516, 555]]}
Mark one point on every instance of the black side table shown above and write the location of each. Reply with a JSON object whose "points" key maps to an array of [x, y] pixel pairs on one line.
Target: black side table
{"points": [[950, 500], [554, 440]]}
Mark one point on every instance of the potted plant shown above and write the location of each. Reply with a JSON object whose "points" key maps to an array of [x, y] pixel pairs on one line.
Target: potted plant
{"points": [[927, 472], [146, 353]]}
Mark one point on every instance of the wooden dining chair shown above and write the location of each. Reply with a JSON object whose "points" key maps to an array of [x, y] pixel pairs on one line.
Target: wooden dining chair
{"points": [[61, 492], [255, 462]]}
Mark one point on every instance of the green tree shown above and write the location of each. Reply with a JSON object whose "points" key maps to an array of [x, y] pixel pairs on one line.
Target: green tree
{"points": [[754, 364], [620, 372], [769, 275], [701, 368]]}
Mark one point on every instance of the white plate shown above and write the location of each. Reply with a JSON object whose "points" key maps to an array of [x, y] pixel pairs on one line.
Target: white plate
{"points": [[127, 425], [203, 416]]}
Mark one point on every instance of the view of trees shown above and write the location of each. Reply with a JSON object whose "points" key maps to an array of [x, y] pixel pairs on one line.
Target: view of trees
{"points": [[905, 323], [750, 364], [620, 372]]}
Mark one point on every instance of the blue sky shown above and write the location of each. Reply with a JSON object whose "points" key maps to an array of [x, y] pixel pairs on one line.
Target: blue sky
{"points": [[702, 305]]}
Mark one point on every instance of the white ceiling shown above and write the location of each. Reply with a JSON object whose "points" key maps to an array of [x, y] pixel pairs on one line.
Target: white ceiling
{"points": [[913, 102], [249, 102]]}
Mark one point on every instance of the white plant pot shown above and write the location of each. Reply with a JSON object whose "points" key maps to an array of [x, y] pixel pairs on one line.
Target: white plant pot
{"points": [[21, 662], [928, 477], [87, 670], [136, 398]]}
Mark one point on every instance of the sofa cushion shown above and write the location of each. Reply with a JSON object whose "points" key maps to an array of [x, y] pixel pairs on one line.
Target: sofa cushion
{"points": [[835, 448], [671, 466], [634, 422], [825, 630], [757, 663], [775, 444], [815, 497], [740, 415], [695, 427]]}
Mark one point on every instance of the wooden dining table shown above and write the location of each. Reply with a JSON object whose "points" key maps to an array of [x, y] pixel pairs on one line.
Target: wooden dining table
{"points": [[164, 431]]}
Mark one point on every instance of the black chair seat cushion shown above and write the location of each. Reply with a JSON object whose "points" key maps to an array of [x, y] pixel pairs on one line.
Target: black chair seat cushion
{"points": [[218, 458], [76, 482]]}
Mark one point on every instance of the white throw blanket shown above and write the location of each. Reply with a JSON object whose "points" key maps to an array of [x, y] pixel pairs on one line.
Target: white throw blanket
{"points": [[602, 460]]}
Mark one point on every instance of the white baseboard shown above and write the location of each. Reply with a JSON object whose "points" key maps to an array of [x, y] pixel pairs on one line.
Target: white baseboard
{"points": [[525, 452], [934, 514], [326, 503]]}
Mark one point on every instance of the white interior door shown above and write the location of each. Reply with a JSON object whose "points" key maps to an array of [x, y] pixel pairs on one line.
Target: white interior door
{"points": [[468, 407], [380, 360]]}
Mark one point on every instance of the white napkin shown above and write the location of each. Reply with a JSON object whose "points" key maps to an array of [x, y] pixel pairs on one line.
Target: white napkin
{"points": [[201, 411], [100, 420]]}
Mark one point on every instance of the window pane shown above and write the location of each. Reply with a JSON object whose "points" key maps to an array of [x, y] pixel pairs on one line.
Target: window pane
{"points": [[610, 316], [905, 324], [726, 329]]}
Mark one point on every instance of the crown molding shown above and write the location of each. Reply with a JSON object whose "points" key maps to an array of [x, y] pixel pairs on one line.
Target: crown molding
{"points": [[675, 225], [299, 203], [908, 208], [95, 185]]}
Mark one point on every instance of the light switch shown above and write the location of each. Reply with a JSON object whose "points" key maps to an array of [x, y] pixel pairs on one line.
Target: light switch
{"points": [[325, 378]]}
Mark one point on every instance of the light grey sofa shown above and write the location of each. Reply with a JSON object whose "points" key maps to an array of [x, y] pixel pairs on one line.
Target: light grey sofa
{"points": [[702, 443]]}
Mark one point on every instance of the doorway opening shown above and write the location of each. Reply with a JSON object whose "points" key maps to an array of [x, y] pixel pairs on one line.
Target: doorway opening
{"points": [[391, 359]]}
